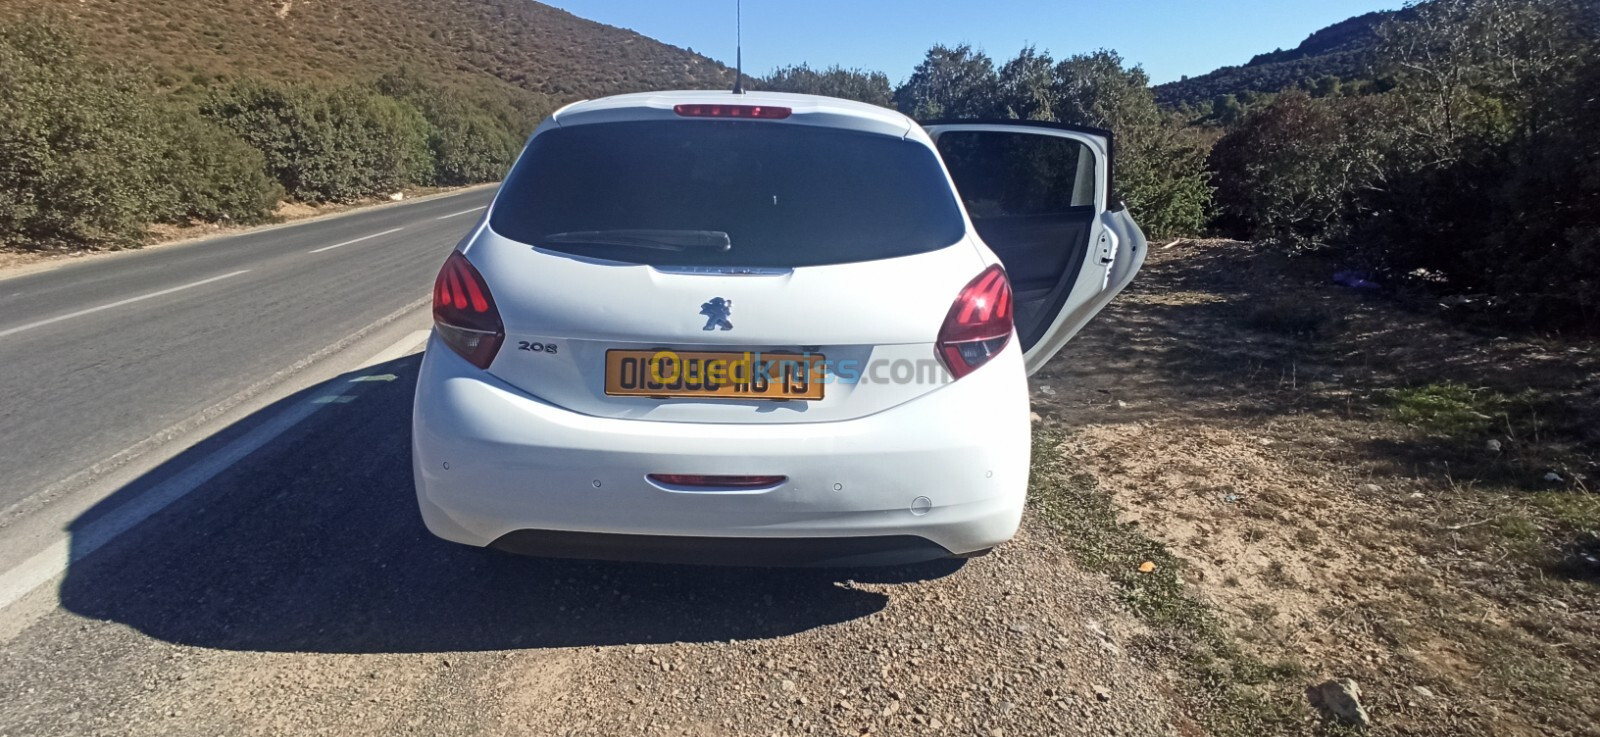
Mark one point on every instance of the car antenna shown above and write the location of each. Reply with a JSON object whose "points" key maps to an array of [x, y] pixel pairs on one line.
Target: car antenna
{"points": [[738, 47]]}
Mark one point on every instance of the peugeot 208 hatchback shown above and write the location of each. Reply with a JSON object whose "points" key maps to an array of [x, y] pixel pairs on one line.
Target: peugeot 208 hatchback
{"points": [[760, 329]]}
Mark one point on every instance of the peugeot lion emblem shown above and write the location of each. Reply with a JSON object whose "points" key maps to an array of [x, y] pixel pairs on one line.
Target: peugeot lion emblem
{"points": [[717, 312]]}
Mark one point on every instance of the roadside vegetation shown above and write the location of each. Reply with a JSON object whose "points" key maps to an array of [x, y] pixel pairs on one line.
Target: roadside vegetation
{"points": [[123, 119], [91, 156], [1448, 147]]}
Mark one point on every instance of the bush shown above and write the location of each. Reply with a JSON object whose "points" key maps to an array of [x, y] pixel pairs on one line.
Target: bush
{"points": [[956, 82], [835, 81], [467, 140], [1476, 164], [328, 143], [77, 144], [209, 174], [1291, 173], [1160, 170]]}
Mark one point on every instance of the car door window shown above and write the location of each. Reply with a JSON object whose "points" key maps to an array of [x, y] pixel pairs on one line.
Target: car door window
{"points": [[1031, 199], [1001, 175]]}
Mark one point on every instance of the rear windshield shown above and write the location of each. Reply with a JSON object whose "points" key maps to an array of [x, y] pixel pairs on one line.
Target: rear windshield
{"points": [[785, 195]]}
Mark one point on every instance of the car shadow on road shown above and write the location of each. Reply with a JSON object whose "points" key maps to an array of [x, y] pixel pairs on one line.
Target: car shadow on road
{"points": [[313, 543]]}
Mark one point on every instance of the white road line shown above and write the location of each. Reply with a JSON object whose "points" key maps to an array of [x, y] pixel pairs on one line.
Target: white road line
{"points": [[50, 562], [357, 240], [463, 212], [129, 301]]}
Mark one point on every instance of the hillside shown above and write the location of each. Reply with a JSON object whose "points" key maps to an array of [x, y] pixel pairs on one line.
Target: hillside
{"points": [[514, 43], [120, 115], [1343, 49]]}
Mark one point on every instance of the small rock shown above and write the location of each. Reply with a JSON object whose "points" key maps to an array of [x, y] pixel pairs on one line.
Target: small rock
{"points": [[1006, 707], [787, 685], [1493, 445], [997, 732], [1423, 691], [935, 724], [1034, 418], [891, 709], [1340, 699], [1371, 488], [1101, 693], [398, 196], [1553, 477]]}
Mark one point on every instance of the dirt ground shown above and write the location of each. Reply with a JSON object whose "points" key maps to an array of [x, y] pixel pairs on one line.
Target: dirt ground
{"points": [[1359, 485]]}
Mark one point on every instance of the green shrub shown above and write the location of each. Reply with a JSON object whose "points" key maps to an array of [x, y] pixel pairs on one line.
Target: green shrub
{"points": [[951, 82], [207, 173], [328, 143], [471, 137], [1160, 170], [77, 144], [469, 147], [835, 81], [1291, 173]]}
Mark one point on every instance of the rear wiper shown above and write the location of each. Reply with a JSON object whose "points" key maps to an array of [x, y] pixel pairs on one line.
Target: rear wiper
{"points": [[658, 240]]}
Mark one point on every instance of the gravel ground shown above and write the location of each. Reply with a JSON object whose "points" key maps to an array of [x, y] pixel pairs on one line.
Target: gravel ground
{"points": [[298, 594]]}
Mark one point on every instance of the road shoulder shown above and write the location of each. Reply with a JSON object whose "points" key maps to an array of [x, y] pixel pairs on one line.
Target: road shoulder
{"points": [[15, 263]]}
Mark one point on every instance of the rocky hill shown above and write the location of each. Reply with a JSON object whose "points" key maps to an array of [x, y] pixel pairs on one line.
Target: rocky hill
{"points": [[1343, 49], [516, 43]]}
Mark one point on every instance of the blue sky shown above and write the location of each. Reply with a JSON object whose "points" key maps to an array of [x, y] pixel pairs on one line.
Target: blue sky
{"points": [[1170, 38]]}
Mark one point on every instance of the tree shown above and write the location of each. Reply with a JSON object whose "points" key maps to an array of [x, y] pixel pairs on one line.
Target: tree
{"points": [[835, 81], [1098, 90], [1161, 173], [1462, 65], [1290, 173], [1028, 87], [951, 82]]}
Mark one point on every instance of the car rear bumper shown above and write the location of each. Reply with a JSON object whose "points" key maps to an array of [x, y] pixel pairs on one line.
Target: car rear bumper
{"points": [[744, 551], [945, 474]]}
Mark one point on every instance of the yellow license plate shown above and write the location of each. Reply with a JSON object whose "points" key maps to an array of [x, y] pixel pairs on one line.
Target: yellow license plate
{"points": [[750, 375]]}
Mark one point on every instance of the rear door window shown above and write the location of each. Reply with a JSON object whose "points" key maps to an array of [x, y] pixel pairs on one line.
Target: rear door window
{"points": [[785, 195]]}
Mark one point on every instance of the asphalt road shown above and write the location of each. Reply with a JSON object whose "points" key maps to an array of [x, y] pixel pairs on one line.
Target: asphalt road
{"points": [[99, 355]]}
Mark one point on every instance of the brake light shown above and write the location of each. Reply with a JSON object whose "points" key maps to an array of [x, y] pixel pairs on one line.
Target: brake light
{"points": [[979, 323], [723, 482], [464, 313], [765, 112]]}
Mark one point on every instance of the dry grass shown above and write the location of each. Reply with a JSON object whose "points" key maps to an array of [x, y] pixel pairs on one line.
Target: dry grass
{"points": [[1319, 464], [474, 43]]}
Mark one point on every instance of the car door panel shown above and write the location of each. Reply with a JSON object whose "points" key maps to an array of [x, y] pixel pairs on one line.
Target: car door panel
{"points": [[1039, 195]]}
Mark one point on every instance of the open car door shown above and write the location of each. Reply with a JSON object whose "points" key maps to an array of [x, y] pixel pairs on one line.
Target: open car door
{"points": [[1039, 194]]}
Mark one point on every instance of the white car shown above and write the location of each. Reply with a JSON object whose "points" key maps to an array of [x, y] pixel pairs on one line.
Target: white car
{"points": [[760, 329]]}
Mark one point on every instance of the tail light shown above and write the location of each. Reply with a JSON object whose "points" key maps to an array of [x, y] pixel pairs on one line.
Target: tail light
{"points": [[464, 313], [765, 112], [979, 323]]}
